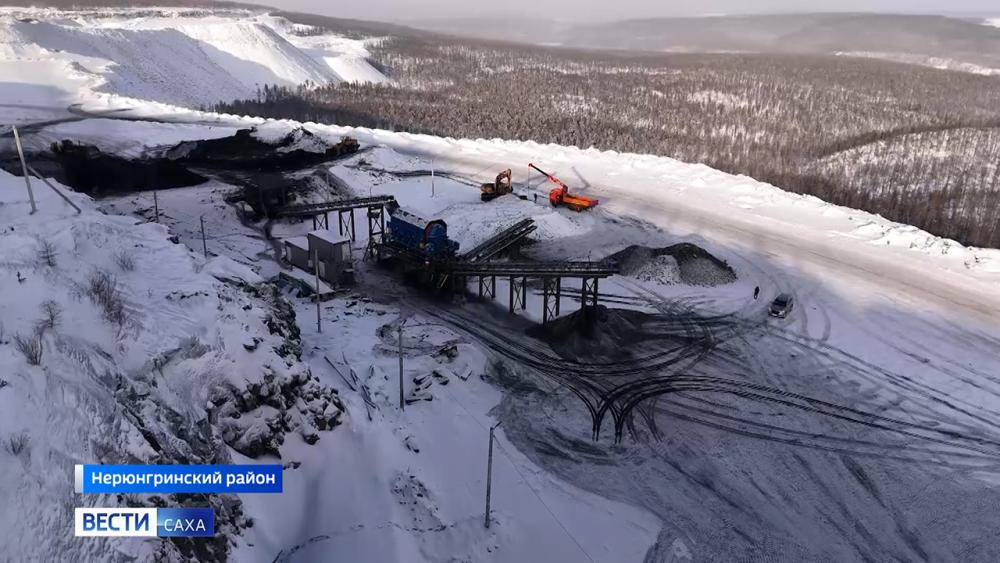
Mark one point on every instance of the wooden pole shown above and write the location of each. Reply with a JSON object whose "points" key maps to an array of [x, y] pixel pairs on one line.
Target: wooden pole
{"points": [[402, 403], [55, 189], [204, 244], [24, 169], [319, 321], [489, 475]]}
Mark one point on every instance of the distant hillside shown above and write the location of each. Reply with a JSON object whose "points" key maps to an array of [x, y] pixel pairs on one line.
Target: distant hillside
{"points": [[352, 27], [85, 4], [341, 25], [539, 31], [890, 36]]}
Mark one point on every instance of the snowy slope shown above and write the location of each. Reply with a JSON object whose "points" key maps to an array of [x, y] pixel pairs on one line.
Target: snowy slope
{"points": [[171, 365], [348, 58], [254, 53], [58, 58]]}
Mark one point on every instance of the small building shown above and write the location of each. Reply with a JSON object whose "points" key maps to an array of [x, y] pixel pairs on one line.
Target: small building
{"points": [[297, 252], [332, 250]]}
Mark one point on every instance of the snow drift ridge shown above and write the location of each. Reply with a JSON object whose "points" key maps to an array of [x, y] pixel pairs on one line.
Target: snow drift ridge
{"points": [[173, 59]]}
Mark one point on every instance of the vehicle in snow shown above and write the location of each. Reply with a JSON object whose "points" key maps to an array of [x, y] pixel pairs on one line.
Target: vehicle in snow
{"points": [[501, 186], [428, 237], [561, 196], [781, 306]]}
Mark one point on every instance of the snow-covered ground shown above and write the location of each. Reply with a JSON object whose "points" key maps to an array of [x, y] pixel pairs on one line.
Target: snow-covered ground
{"points": [[54, 59], [860, 336], [889, 320], [117, 346]]}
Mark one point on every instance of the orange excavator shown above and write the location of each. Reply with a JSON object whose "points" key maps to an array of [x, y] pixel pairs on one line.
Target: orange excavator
{"points": [[561, 196]]}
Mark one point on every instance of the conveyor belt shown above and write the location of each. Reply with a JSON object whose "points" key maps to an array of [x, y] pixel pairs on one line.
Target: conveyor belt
{"points": [[501, 241], [311, 209], [535, 269]]}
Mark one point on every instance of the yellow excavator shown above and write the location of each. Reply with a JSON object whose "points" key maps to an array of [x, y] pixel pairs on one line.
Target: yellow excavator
{"points": [[501, 186]]}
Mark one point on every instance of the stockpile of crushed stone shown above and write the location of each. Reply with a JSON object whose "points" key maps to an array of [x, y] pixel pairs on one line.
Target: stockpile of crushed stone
{"points": [[594, 334], [680, 263], [248, 151]]}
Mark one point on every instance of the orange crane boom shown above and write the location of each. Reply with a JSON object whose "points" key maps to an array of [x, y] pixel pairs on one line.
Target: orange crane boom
{"points": [[561, 196]]}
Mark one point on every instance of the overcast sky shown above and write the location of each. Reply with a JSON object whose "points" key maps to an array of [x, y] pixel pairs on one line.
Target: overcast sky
{"points": [[589, 10]]}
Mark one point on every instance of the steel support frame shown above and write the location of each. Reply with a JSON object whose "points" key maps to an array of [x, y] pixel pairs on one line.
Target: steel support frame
{"points": [[376, 232], [518, 289], [345, 222], [588, 292], [551, 290], [488, 287], [321, 224]]}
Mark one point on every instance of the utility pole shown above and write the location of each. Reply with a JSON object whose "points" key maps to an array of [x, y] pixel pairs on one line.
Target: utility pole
{"points": [[489, 473], [402, 404], [24, 170], [204, 245], [319, 322], [156, 208]]}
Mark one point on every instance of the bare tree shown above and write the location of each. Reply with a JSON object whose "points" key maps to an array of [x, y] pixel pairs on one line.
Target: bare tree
{"points": [[16, 443], [30, 347], [46, 253], [51, 316], [102, 287], [125, 260]]}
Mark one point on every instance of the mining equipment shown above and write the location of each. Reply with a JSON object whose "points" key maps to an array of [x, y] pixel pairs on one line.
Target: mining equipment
{"points": [[561, 196], [501, 186], [426, 237]]}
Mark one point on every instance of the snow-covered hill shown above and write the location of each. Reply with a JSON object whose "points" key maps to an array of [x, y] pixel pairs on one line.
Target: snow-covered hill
{"points": [[175, 57], [120, 346]]}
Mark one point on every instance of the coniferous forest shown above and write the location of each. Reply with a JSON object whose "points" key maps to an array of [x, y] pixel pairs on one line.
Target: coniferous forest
{"points": [[915, 144]]}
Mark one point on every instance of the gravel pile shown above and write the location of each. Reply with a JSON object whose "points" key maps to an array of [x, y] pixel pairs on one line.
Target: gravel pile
{"points": [[681, 263]]}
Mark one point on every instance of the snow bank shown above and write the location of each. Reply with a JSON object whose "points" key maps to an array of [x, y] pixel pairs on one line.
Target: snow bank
{"points": [[129, 139], [144, 356], [174, 58]]}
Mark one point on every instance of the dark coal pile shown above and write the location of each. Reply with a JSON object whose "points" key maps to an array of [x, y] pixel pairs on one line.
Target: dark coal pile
{"points": [[245, 151], [601, 334], [87, 169], [680, 263]]}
